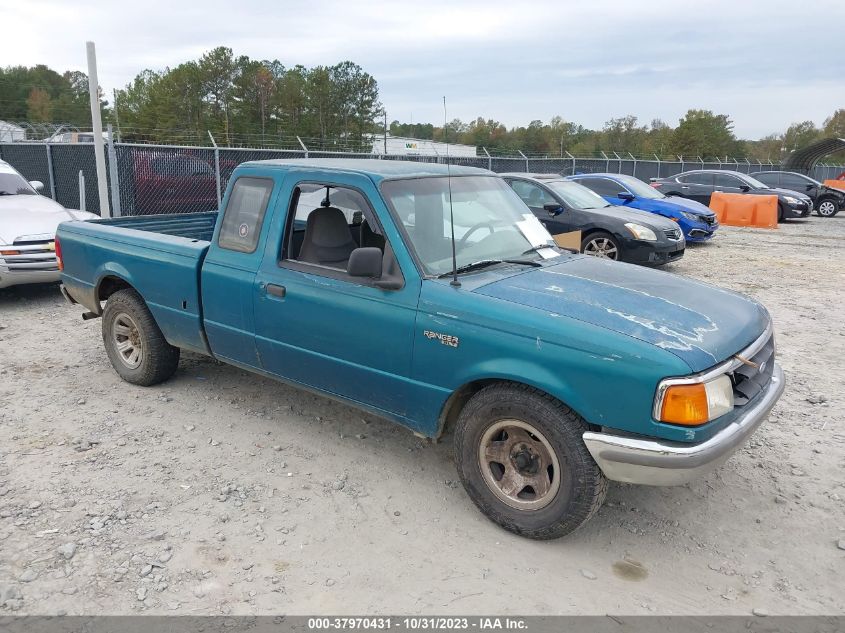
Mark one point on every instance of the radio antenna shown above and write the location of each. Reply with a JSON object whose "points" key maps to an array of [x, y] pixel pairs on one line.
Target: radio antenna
{"points": [[455, 283]]}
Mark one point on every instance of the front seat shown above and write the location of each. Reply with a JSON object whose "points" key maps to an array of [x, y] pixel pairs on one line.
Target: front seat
{"points": [[328, 240]]}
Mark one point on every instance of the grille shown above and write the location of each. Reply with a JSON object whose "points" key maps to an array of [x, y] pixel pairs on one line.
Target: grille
{"points": [[32, 256], [672, 234], [748, 380]]}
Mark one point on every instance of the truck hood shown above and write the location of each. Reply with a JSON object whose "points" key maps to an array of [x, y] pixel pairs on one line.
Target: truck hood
{"points": [[701, 324], [28, 215]]}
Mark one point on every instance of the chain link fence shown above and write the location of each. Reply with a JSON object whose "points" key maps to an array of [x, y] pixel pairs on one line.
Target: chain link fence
{"points": [[154, 179]]}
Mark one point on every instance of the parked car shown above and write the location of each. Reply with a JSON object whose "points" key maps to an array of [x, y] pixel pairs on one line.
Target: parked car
{"points": [[555, 371], [606, 230], [827, 200], [167, 182], [697, 222], [28, 223], [699, 184]]}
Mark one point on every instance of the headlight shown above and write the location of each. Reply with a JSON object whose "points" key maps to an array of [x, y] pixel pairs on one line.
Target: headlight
{"points": [[687, 402], [691, 216], [791, 200], [641, 232]]}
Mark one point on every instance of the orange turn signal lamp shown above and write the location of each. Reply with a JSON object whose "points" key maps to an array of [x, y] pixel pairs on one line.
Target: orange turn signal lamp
{"points": [[690, 403]]}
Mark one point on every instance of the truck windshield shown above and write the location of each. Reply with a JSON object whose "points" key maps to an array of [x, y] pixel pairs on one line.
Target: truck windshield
{"points": [[491, 222]]}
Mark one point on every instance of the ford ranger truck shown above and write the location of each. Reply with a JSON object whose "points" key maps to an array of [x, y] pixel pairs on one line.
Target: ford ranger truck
{"points": [[434, 298]]}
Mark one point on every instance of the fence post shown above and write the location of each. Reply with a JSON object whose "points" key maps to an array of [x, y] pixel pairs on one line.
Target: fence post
{"points": [[217, 170], [113, 177], [489, 160], [81, 190], [573, 163], [526, 160], [304, 149], [50, 175], [658, 165], [606, 162], [681, 159]]}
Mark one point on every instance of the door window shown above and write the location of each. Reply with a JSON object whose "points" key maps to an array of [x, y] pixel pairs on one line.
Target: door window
{"points": [[726, 180], [329, 222], [531, 194], [794, 181], [602, 186], [244, 214], [697, 178]]}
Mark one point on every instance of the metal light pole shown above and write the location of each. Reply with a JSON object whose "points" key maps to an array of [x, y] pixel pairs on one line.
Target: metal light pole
{"points": [[97, 124]]}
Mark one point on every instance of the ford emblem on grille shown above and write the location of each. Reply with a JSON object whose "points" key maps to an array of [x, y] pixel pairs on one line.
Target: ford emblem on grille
{"points": [[762, 367]]}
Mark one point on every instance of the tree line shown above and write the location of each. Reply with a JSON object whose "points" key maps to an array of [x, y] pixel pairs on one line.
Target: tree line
{"points": [[248, 102]]}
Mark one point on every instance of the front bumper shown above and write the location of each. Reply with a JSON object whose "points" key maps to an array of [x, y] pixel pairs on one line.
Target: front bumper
{"points": [[800, 210], [18, 278], [653, 253], [649, 462]]}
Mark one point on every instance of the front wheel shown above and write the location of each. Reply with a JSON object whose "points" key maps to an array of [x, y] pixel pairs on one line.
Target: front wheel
{"points": [[827, 208], [134, 343], [601, 245], [522, 460]]}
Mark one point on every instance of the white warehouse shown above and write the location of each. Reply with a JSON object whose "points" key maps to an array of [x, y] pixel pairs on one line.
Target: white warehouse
{"points": [[404, 146]]}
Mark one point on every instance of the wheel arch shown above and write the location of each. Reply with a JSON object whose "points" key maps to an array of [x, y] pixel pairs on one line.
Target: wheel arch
{"points": [[461, 396]]}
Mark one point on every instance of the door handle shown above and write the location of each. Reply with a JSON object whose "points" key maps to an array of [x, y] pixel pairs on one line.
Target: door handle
{"points": [[276, 291]]}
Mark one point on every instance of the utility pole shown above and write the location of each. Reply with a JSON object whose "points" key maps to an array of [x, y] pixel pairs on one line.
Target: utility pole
{"points": [[97, 124], [384, 111]]}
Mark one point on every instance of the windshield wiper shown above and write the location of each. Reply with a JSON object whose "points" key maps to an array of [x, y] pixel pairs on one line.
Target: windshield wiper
{"points": [[6, 193], [484, 263], [535, 249]]}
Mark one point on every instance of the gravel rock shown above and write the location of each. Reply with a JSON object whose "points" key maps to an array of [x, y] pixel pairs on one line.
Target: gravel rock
{"points": [[586, 573], [146, 570], [760, 613], [141, 593], [28, 575], [840, 543], [67, 550]]}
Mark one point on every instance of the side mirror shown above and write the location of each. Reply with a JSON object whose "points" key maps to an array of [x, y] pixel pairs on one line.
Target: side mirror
{"points": [[744, 188], [553, 208], [625, 195], [365, 262], [36, 184], [810, 187]]}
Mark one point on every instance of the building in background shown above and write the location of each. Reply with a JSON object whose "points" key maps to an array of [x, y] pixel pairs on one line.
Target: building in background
{"points": [[404, 146], [11, 133]]}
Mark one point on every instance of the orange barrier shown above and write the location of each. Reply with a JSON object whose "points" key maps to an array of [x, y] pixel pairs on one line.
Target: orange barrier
{"points": [[835, 184], [736, 209]]}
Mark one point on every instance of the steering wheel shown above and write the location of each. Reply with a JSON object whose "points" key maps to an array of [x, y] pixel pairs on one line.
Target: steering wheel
{"points": [[473, 229]]}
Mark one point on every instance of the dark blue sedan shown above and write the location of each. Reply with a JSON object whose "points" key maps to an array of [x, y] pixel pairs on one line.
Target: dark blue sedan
{"points": [[697, 222]]}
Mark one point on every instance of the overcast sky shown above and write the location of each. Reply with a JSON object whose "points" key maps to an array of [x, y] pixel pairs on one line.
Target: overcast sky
{"points": [[766, 63]]}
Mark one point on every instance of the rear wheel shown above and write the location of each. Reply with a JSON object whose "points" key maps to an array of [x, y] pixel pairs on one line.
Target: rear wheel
{"points": [[827, 208], [134, 343], [601, 244], [523, 462], [780, 212]]}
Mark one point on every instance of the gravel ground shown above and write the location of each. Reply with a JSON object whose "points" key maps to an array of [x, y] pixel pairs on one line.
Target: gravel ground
{"points": [[223, 492]]}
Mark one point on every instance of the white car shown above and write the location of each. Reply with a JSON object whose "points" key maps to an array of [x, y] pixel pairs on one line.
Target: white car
{"points": [[28, 223]]}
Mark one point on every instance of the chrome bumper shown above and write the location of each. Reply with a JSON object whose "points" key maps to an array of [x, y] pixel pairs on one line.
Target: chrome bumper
{"points": [[663, 463]]}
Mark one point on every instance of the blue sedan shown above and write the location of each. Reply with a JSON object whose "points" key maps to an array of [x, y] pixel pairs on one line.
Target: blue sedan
{"points": [[696, 221]]}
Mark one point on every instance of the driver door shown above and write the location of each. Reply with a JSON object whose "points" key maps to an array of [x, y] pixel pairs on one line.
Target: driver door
{"points": [[318, 326], [536, 197]]}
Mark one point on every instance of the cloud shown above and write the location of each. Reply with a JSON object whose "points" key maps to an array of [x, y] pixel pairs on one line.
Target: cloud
{"points": [[761, 62]]}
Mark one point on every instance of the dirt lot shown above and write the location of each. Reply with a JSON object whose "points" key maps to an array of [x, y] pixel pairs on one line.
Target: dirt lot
{"points": [[222, 492]]}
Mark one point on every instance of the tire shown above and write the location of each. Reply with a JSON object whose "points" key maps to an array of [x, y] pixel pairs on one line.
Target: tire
{"points": [[530, 430], [601, 244], [780, 212], [134, 343], [827, 208]]}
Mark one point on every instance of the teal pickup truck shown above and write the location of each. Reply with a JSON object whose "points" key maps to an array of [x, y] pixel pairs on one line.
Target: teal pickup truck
{"points": [[436, 299]]}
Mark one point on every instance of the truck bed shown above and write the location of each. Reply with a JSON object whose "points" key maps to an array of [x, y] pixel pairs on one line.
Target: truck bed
{"points": [[160, 256], [195, 226]]}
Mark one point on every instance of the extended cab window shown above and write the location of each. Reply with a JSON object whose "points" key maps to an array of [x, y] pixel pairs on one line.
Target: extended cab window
{"points": [[244, 214]]}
